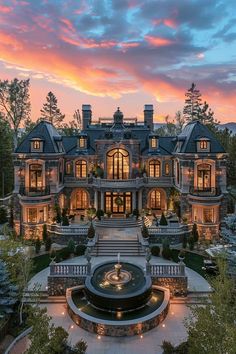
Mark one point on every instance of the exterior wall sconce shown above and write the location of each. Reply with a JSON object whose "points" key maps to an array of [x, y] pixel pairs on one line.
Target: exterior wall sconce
{"points": [[20, 172], [190, 172], [49, 172]]}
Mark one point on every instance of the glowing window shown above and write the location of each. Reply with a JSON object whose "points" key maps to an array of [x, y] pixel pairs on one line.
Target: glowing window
{"points": [[81, 169], [208, 215], [203, 144], [167, 168], [153, 143], [82, 142], [155, 199], [154, 168], [118, 164], [36, 144], [81, 199]]}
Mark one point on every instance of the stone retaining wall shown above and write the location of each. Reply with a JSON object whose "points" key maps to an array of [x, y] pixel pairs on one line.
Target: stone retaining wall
{"points": [[57, 285], [178, 286]]}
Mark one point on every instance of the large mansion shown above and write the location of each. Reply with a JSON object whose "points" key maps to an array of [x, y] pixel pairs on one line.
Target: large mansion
{"points": [[119, 164]]}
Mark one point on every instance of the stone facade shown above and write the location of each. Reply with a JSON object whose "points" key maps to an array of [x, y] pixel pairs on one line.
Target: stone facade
{"points": [[57, 286], [178, 286], [119, 160]]}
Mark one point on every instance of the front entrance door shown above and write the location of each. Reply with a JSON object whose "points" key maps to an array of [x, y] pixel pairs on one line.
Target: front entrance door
{"points": [[118, 203]]}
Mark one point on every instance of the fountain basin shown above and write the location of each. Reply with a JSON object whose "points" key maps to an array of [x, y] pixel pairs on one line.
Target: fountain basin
{"points": [[131, 291], [119, 324]]}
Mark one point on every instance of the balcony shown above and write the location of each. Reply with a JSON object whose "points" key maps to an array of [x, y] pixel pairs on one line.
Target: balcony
{"points": [[205, 192], [34, 191]]}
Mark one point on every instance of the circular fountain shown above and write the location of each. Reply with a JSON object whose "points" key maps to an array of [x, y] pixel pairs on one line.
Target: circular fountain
{"points": [[118, 299]]}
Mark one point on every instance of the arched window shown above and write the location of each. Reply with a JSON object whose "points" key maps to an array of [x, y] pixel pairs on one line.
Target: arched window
{"points": [[35, 176], [204, 176], [81, 199], [155, 199], [154, 168], [118, 164], [81, 169]]}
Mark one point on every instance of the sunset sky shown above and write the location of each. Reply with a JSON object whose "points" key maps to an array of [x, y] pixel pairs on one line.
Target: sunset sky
{"points": [[122, 53]]}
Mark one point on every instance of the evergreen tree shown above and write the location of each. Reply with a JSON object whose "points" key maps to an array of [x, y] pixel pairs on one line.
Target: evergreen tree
{"points": [[195, 232], [48, 244], [145, 232], [37, 245], [192, 104], [211, 328], [91, 231], [163, 221], [51, 112], [45, 233], [8, 292], [3, 215], [6, 161], [15, 103]]}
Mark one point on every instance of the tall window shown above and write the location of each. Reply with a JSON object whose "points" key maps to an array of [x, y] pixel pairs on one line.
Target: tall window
{"points": [[82, 142], [69, 167], [81, 169], [208, 215], [154, 168], [81, 199], [36, 144], [32, 215], [35, 176], [167, 168], [204, 176], [203, 144], [155, 199], [118, 164], [153, 143]]}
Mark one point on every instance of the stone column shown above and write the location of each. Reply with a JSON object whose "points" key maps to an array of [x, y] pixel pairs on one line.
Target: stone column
{"points": [[134, 200], [140, 196], [102, 200], [96, 200]]}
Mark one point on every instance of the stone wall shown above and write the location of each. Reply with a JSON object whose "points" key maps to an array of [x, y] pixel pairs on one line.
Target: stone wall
{"points": [[178, 286], [64, 239], [57, 285]]}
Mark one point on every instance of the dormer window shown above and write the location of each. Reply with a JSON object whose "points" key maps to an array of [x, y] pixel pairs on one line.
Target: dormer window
{"points": [[82, 143], [153, 142], [36, 145], [203, 145]]}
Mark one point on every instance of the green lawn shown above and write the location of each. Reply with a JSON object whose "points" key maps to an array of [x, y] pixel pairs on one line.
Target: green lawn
{"points": [[192, 260]]}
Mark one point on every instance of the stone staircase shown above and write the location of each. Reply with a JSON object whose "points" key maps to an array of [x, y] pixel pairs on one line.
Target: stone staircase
{"points": [[111, 247], [118, 222]]}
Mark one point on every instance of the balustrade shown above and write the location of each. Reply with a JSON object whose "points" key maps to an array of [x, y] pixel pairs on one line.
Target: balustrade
{"points": [[68, 269], [167, 270]]}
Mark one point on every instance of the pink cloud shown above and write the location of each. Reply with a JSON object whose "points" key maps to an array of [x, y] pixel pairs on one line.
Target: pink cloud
{"points": [[5, 9], [158, 41]]}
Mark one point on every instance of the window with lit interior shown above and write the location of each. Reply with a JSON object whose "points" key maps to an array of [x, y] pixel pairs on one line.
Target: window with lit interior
{"points": [[204, 177], [118, 164], [81, 169], [155, 199], [203, 145], [153, 143], [81, 199], [82, 142], [36, 144], [35, 177], [154, 168]]}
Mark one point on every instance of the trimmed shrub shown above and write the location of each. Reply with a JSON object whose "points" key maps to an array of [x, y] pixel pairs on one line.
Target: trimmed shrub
{"points": [[195, 233], [37, 246], [167, 347], [191, 243], [80, 250], [45, 233], [163, 221], [63, 254], [65, 220], [58, 213], [91, 231], [71, 246], [136, 213], [184, 242], [99, 213], [3, 215], [155, 250], [48, 244], [145, 233], [166, 251]]}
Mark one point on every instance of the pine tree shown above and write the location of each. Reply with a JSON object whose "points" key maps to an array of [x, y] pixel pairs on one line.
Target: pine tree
{"points": [[195, 232], [51, 112], [6, 161], [191, 109], [15, 103], [37, 245], [45, 233], [8, 292]]}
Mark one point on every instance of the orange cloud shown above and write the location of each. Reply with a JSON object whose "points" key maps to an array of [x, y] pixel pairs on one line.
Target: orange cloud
{"points": [[158, 41], [68, 24], [9, 41], [170, 22]]}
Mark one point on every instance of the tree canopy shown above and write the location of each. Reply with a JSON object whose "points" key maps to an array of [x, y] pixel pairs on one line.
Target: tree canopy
{"points": [[51, 112]]}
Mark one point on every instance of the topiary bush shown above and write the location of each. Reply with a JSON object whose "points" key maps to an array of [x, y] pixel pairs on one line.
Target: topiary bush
{"points": [[166, 251], [99, 213], [91, 231], [48, 244], [145, 233], [65, 220], [71, 246], [163, 221], [191, 243], [136, 213], [195, 232], [37, 246], [155, 250], [80, 250]]}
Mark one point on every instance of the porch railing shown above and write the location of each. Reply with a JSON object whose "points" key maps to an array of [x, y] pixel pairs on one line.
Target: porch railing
{"points": [[34, 191], [167, 270], [68, 230]]}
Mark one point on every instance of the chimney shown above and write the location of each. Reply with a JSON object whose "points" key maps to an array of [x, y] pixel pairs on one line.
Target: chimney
{"points": [[148, 116], [86, 116]]}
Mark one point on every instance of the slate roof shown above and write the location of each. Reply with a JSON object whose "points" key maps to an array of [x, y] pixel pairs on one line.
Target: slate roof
{"points": [[45, 131], [191, 133]]}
